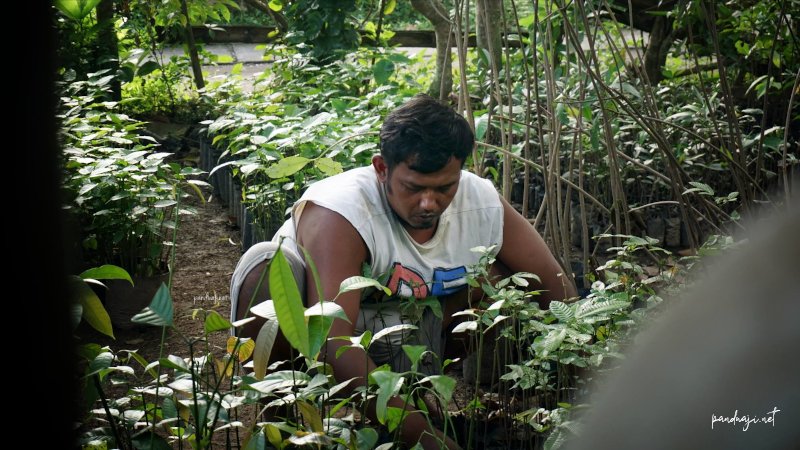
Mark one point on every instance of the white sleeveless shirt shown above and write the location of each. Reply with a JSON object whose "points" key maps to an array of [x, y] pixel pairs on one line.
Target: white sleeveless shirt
{"points": [[434, 268]]}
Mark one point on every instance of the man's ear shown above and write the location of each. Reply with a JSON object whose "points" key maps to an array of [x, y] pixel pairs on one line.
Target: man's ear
{"points": [[381, 168]]}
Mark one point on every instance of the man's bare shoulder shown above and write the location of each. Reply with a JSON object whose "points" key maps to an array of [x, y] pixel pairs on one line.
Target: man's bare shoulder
{"points": [[321, 227]]}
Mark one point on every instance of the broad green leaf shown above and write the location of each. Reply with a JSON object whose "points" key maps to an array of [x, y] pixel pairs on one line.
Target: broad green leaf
{"points": [[554, 339], [393, 329], [470, 325], [366, 439], [273, 435], [589, 309], [263, 348], [160, 311], [174, 362], [147, 68], [150, 441], [394, 417], [258, 441], [562, 311], [700, 187], [265, 309], [481, 125], [414, 352], [328, 166], [357, 282], [288, 304], [276, 5], [99, 363], [215, 322], [327, 309], [389, 384], [318, 329], [442, 385], [164, 203], [310, 415], [287, 166], [76, 9], [318, 439], [93, 310], [389, 7], [382, 71], [107, 272]]}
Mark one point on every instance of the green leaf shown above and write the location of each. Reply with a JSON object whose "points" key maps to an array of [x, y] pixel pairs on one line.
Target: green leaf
{"points": [[414, 353], [311, 416], [382, 71], [481, 125], [92, 308], [107, 272], [160, 311], [264, 343], [389, 7], [215, 322], [392, 329], [389, 384], [563, 312], [318, 329], [700, 187], [288, 304], [394, 417], [358, 282], [257, 441], [443, 385], [287, 166], [147, 68], [276, 5], [76, 9], [589, 309], [366, 439], [99, 363], [327, 309], [328, 166], [164, 203]]}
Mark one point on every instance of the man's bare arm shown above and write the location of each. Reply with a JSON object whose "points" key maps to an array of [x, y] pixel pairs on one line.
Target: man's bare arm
{"points": [[338, 253]]}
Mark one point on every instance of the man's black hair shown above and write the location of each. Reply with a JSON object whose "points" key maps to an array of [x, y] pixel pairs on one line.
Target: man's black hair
{"points": [[425, 133]]}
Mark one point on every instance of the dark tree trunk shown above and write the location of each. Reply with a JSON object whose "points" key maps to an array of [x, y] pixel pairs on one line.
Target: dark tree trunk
{"points": [[196, 69], [435, 12], [655, 56]]}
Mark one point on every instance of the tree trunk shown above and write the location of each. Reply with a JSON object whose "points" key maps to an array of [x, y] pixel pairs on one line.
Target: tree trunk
{"points": [[196, 69], [435, 12], [108, 54], [489, 23], [657, 48]]}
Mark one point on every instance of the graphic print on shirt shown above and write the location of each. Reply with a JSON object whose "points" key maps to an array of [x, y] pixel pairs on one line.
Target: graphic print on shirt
{"points": [[407, 282]]}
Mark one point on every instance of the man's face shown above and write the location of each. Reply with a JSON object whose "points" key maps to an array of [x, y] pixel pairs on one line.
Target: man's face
{"points": [[418, 199]]}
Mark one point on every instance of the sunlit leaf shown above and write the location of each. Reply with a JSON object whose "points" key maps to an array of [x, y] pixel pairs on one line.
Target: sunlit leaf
{"points": [[358, 282], [310, 415], [76, 9], [160, 311], [382, 71], [442, 385], [107, 272], [215, 322], [328, 166], [389, 384], [288, 303], [287, 166], [92, 308]]}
